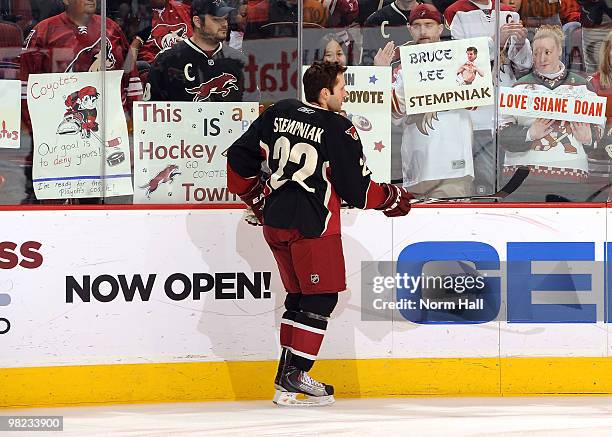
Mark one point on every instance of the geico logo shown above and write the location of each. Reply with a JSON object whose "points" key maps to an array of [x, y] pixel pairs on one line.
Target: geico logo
{"points": [[5, 326], [25, 255], [580, 294]]}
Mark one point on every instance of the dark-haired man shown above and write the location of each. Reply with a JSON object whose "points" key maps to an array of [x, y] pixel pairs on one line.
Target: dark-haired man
{"points": [[316, 160], [200, 68]]}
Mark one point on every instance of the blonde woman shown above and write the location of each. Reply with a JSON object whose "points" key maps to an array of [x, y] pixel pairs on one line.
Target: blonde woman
{"points": [[601, 156], [554, 150], [601, 81]]}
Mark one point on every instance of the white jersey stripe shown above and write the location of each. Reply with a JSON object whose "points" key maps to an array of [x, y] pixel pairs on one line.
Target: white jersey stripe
{"points": [[303, 354], [303, 327]]}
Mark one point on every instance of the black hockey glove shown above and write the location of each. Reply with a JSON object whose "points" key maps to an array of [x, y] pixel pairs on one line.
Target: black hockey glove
{"points": [[397, 203], [255, 200]]}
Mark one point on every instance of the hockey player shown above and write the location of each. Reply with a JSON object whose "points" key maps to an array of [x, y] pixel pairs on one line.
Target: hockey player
{"points": [[200, 68], [316, 160], [467, 72]]}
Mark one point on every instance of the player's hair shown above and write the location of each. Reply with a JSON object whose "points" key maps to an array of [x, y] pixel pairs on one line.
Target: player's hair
{"points": [[318, 76], [550, 31], [472, 49], [605, 68]]}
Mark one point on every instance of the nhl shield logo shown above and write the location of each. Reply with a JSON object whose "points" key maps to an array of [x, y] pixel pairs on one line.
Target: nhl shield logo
{"points": [[314, 278]]}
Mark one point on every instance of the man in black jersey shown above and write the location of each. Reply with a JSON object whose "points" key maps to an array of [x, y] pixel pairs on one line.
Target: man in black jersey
{"points": [[386, 25], [200, 68], [316, 160]]}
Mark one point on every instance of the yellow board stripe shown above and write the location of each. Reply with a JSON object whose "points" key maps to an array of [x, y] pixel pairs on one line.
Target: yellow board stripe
{"points": [[208, 381]]}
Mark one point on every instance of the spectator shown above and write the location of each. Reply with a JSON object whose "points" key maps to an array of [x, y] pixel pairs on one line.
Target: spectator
{"points": [[237, 24], [170, 23], [278, 18], [335, 48], [554, 150], [436, 146], [569, 12], [596, 20], [200, 68], [535, 13], [601, 82], [342, 13], [70, 42], [470, 19], [368, 7], [384, 26]]}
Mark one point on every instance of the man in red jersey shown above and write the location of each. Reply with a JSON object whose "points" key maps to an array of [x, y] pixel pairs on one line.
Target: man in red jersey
{"points": [[170, 23], [316, 160], [71, 42]]}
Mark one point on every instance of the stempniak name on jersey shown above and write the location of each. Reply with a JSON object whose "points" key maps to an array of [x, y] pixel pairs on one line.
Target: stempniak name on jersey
{"points": [[299, 128], [449, 97]]}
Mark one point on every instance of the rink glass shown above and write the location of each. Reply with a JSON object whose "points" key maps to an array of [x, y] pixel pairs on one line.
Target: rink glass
{"points": [[276, 40]]}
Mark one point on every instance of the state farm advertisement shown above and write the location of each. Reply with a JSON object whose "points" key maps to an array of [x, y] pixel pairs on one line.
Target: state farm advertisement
{"points": [[271, 71], [180, 149]]}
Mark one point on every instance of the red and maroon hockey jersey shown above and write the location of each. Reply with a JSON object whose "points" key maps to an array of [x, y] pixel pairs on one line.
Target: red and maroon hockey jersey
{"points": [[58, 45], [316, 160], [168, 26]]}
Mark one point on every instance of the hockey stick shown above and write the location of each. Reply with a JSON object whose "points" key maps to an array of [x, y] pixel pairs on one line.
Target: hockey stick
{"points": [[598, 192], [511, 186]]}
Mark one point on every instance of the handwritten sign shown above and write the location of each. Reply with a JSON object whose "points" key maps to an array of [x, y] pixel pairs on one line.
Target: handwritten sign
{"points": [[447, 75], [368, 106], [79, 149], [180, 150], [582, 107], [10, 113]]}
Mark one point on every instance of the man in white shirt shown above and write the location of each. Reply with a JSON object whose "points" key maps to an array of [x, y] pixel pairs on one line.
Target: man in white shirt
{"points": [[436, 146]]}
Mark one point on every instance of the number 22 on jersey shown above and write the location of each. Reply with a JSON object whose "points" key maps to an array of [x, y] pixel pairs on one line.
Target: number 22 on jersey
{"points": [[284, 152]]}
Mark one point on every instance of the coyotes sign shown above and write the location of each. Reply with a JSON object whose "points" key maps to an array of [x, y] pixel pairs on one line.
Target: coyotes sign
{"points": [[79, 149], [180, 149]]}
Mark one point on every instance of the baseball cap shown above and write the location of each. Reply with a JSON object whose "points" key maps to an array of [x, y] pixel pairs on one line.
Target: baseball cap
{"points": [[218, 8], [425, 11]]}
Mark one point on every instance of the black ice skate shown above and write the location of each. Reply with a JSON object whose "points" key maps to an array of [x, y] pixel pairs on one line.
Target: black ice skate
{"points": [[295, 388]]}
